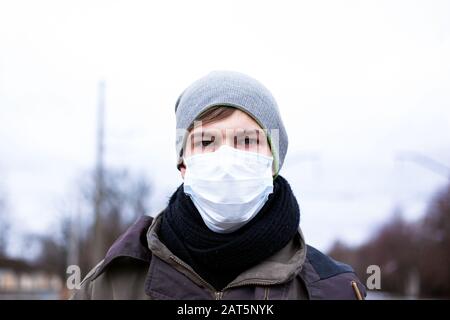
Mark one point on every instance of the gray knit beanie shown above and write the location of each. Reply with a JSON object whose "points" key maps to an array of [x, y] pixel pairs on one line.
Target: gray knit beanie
{"points": [[234, 89]]}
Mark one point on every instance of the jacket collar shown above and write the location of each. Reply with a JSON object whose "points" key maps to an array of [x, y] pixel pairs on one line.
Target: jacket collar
{"points": [[131, 244], [296, 258], [141, 242], [279, 268]]}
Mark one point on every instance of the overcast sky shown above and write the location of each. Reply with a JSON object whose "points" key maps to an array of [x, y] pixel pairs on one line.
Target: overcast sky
{"points": [[357, 83]]}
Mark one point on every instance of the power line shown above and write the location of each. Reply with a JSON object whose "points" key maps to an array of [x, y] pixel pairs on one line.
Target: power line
{"points": [[424, 161]]}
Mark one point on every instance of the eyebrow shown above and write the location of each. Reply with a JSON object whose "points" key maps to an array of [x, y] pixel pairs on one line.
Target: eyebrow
{"points": [[213, 132], [252, 131], [201, 134]]}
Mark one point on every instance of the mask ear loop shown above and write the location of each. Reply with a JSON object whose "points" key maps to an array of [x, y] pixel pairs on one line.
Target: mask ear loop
{"points": [[275, 165], [180, 157], [181, 154]]}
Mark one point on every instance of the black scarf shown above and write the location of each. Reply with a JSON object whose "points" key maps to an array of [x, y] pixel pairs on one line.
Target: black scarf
{"points": [[219, 258]]}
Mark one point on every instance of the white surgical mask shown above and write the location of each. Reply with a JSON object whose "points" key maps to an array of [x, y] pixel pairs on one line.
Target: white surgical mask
{"points": [[228, 187]]}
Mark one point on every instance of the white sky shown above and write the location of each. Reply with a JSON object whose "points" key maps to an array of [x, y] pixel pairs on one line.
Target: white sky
{"points": [[356, 81]]}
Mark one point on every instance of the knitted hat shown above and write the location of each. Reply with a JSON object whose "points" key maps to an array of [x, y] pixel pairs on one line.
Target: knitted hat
{"points": [[233, 89]]}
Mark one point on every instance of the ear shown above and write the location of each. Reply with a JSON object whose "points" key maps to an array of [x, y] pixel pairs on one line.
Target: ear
{"points": [[182, 170]]}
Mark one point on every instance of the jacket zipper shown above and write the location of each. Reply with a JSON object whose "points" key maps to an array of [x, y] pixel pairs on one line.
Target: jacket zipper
{"points": [[219, 294], [266, 293], [356, 290], [181, 263], [254, 283]]}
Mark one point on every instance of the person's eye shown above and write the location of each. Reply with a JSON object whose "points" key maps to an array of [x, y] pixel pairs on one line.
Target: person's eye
{"points": [[207, 142], [251, 141]]}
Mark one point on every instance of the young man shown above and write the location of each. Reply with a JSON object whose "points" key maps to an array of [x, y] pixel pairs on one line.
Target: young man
{"points": [[231, 230]]}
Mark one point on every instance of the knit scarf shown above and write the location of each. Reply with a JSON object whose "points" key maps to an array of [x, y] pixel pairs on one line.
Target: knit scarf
{"points": [[220, 257]]}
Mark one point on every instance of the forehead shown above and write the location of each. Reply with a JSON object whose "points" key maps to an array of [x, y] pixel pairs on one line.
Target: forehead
{"points": [[238, 120]]}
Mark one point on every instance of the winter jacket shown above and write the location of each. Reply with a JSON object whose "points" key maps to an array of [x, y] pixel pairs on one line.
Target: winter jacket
{"points": [[139, 266]]}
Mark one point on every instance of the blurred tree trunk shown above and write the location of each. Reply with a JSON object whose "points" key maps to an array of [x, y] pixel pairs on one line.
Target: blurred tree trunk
{"points": [[4, 225], [117, 202], [125, 197], [413, 257]]}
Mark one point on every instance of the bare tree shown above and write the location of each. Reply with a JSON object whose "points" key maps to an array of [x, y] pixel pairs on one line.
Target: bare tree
{"points": [[435, 246], [124, 198], [409, 252], [392, 248]]}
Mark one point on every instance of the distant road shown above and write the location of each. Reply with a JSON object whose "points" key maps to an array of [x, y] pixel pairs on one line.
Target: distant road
{"points": [[46, 295], [380, 295]]}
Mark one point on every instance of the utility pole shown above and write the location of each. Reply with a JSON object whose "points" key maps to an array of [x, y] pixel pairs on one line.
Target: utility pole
{"points": [[99, 247], [73, 250]]}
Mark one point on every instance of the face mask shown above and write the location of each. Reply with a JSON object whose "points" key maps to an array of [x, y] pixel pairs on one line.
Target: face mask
{"points": [[228, 186]]}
